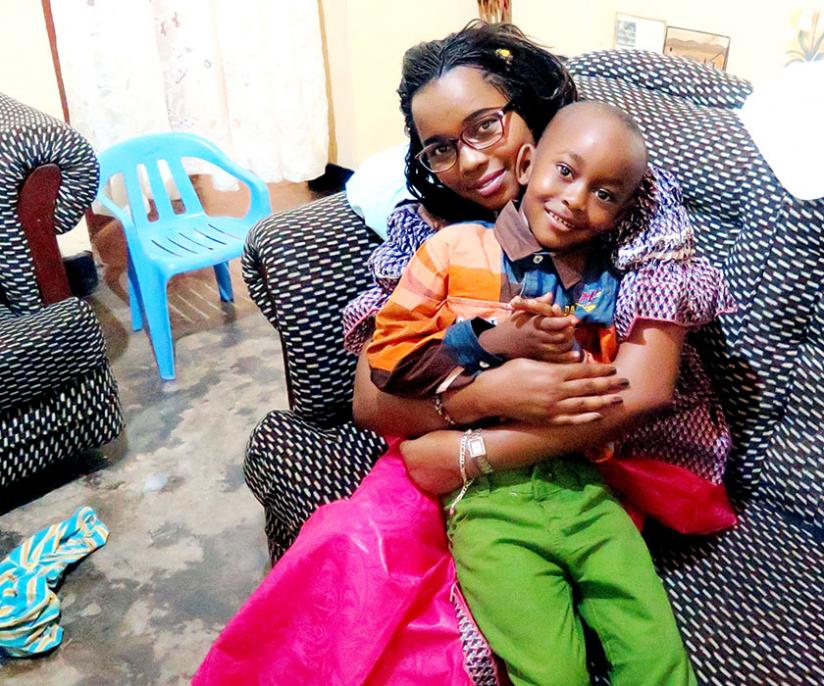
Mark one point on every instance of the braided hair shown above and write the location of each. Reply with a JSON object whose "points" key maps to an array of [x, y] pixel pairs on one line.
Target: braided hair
{"points": [[532, 78]]}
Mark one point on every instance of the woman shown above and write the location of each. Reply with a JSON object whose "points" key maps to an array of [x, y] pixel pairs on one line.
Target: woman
{"points": [[475, 78], [366, 593]]}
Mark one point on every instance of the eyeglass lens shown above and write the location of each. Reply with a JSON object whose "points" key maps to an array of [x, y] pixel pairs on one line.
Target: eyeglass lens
{"points": [[480, 133]]}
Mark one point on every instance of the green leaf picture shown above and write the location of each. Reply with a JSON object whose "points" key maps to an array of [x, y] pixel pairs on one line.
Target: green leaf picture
{"points": [[810, 43]]}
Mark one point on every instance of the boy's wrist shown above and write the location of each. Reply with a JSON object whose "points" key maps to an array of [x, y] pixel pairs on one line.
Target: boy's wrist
{"points": [[492, 342], [462, 338]]}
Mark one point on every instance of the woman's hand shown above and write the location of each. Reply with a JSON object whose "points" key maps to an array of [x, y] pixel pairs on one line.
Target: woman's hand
{"points": [[432, 461], [548, 394], [527, 390]]}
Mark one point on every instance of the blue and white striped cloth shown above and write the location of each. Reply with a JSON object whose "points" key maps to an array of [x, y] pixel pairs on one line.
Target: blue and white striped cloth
{"points": [[29, 607]]}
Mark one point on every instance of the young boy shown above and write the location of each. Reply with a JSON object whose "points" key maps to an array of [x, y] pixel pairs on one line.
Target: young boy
{"points": [[538, 548], [452, 315]]}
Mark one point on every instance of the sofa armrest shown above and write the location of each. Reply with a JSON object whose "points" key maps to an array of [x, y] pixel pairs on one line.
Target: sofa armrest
{"points": [[301, 268], [30, 140]]}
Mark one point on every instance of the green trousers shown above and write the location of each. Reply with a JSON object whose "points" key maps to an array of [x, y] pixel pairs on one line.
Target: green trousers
{"points": [[540, 549]]}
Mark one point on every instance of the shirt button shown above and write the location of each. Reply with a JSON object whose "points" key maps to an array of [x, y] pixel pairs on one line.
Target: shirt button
{"points": [[537, 259], [483, 365]]}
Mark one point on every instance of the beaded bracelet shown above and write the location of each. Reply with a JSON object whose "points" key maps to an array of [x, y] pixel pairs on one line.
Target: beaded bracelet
{"points": [[441, 410]]}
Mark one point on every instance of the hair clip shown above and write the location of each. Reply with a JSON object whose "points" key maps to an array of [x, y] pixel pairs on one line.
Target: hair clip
{"points": [[505, 54]]}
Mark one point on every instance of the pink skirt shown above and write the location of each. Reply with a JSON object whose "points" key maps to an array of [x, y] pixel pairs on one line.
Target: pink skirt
{"points": [[366, 595]]}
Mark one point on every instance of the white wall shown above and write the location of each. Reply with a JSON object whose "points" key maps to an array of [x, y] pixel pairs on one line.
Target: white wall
{"points": [[28, 75], [366, 40], [759, 30]]}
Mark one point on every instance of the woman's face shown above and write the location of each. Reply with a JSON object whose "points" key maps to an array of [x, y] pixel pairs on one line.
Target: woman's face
{"points": [[441, 109]]}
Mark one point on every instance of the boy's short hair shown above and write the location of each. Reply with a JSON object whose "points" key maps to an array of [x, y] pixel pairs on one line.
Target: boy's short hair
{"points": [[605, 109]]}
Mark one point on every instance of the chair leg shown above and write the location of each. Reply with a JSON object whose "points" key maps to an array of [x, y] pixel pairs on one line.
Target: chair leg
{"points": [[224, 282], [156, 305], [135, 301]]}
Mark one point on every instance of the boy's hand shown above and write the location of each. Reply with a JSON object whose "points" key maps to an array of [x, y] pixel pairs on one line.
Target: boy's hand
{"points": [[543, 306], [537, 330]]}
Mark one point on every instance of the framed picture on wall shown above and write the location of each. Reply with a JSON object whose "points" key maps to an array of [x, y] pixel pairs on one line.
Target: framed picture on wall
{"points": [[707, 48], [638, 33]]}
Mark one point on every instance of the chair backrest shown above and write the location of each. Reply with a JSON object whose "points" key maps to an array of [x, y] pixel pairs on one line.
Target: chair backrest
{"points": [[143, 155], [767, 358]]}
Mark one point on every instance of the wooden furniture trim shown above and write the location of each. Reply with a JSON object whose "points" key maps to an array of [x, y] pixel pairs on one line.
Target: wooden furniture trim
{"points": [[35, 208]]}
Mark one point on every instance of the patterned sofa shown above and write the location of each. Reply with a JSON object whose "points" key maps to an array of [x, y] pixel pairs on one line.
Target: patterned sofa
{"points": [[746, 600], [57, 393]]}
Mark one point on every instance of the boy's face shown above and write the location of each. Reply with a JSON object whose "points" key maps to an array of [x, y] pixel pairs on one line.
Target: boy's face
{"points": [[584, 174]]}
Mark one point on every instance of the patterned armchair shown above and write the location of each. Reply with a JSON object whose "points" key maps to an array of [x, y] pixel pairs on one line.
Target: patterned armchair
{"points": [[746, 599], [57, 393]]}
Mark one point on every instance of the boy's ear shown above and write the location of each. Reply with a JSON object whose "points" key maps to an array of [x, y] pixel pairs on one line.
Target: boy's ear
{"points": [[523, 163]]}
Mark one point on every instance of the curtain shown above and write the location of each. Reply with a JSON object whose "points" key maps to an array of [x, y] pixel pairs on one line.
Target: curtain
{"points": [[246, 74]]}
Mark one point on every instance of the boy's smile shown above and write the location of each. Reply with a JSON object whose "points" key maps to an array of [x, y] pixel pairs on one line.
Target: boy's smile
{"points": [[582, 177]]}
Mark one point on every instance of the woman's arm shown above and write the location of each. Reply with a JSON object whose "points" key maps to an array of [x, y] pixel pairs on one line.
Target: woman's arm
{"points": [[650, 359], [525, 390], [389, 414]]}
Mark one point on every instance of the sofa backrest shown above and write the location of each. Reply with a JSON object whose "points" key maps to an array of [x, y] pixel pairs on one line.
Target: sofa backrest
{"points": [[766, 359]]}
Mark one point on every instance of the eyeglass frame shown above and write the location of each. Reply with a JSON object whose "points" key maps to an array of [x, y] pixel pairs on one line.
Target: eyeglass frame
{"points": [[500, 113]]}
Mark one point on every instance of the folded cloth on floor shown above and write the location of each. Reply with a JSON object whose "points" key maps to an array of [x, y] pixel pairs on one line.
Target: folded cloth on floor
{"points": [[29, 607]]}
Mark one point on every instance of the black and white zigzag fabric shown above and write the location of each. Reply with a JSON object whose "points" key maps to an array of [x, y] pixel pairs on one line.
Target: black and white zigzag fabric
{"points": [[767, 358], [61, 342], [80, 414], [322, 465], [746, 600], [287, 264], [57, 393]]}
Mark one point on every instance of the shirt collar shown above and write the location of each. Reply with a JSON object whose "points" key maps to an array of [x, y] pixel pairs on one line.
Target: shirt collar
{"points": [[518, 243]]}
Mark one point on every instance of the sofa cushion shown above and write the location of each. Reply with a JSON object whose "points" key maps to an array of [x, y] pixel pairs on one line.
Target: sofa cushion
{"points": [[82, 413], [41, 351], [747, 601]]}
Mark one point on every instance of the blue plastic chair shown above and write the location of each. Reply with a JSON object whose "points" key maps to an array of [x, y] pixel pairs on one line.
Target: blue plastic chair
{"points": [[173, 243]]}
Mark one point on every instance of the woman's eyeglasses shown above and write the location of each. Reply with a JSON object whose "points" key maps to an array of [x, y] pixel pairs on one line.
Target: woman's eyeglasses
{"points": [[483, 131]]}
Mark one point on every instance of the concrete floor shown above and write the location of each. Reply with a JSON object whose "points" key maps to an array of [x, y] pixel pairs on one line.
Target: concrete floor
{"points": [[187, 544]]}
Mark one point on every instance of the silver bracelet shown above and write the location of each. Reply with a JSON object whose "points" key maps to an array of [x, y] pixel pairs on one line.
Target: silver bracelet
{"points": [[462, 468]]}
